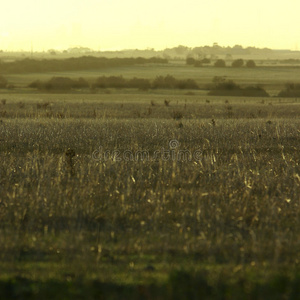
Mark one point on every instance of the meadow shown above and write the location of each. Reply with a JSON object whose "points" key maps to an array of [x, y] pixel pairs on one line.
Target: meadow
{"points": [[272, 78], [127, 194]]}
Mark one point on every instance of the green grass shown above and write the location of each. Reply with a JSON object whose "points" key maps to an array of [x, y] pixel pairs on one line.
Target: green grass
{"points": [[222, 225], [272, 78]]}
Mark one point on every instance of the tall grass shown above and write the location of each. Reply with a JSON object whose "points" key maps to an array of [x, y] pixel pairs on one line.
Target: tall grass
{"points": [[235, 203]]}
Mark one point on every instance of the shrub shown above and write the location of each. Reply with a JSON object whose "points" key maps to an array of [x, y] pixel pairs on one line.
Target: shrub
{"points": [[160, 82], [223, 87], [167, 82], [81, 84], [190, 61], [238, 63], [36, 84], [220, 63], [197, 63], [250, 64], [177, 115], [291, 90], [59, 83]]}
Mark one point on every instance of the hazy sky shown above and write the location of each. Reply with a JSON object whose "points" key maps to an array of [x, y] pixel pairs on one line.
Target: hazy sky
{"points": [[128, 24]]}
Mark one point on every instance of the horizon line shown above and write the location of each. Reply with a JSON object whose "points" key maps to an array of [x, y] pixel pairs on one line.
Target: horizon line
{"points": [[61, 49]]}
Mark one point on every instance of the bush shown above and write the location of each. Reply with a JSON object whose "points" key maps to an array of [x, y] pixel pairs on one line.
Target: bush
{"points": [[250, 64], [223, 87], [190, 61], [197, 63], [59, 83], [81, 84], [238, 63], [167, 82], [112, 81], [36, 84], [103, 82], [220, 63], [291, 90]]}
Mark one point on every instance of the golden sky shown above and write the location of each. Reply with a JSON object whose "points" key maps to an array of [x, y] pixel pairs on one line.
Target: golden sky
{"points": [[130, 24]]}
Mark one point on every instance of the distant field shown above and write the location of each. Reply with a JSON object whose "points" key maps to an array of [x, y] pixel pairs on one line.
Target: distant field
{"points": [[130, 104], [272, 78]]}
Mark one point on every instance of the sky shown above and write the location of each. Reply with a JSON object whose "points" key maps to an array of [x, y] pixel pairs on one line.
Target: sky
{"points": [[140, 24]]}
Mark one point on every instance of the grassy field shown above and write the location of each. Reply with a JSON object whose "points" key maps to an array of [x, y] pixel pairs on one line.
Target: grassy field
{"points": [[136, 195], [272, 78]]}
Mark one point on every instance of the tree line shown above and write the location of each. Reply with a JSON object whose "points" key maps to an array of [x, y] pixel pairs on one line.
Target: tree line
{"points": [[28, 65], [220, 86], [220, 63], [102, 82]]}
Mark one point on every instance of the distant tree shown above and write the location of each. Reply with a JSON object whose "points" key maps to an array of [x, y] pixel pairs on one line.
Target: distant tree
{"points": [[223, 87], [190, 61], [291, 90], [250, 64], [220, 63], [180, 50], [238, 63]]}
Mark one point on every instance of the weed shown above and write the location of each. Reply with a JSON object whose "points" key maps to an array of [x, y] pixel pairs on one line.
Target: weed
{"points": [[167, 102], [70, 154], [177, 115]]}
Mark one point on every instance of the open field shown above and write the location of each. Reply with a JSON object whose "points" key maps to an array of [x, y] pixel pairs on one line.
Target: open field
{"points": [[125, 196]]}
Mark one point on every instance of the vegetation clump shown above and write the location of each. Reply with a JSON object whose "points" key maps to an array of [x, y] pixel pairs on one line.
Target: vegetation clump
{"points": [[119, 82], [238, 63], [220, 63], [60, 83], [227, 87], [250, 64], [196, 62], [29, 65], [169, 82], [291, 90]]}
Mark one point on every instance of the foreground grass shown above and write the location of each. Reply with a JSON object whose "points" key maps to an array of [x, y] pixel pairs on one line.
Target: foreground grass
{"points": [[180, 284], [221, 223]]}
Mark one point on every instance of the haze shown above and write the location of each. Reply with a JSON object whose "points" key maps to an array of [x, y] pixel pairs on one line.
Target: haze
{"points": [[130, 24]]}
